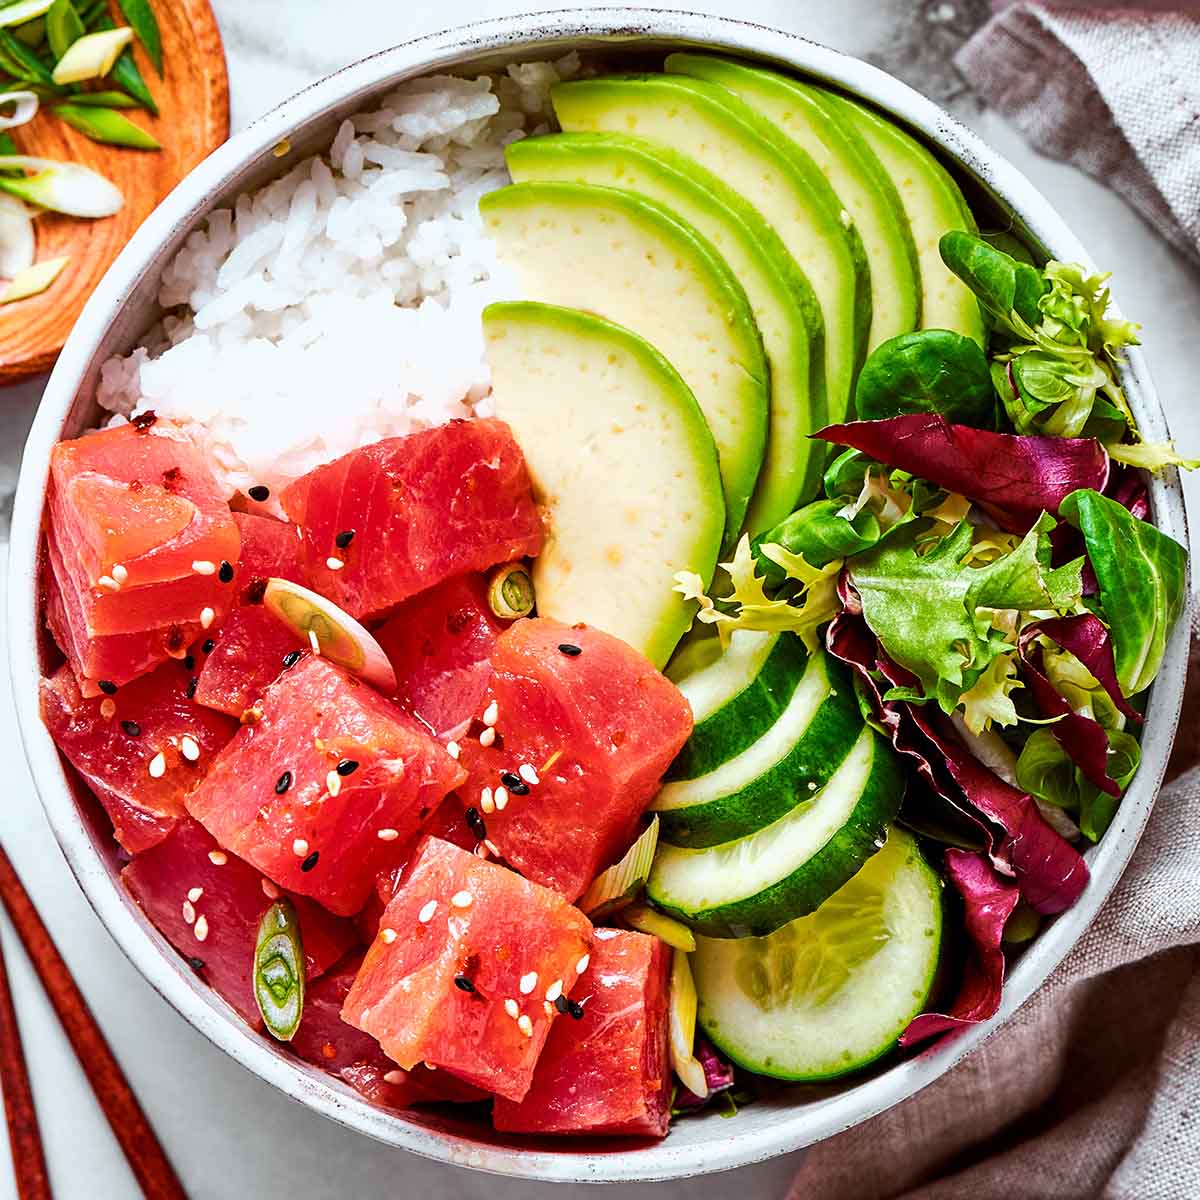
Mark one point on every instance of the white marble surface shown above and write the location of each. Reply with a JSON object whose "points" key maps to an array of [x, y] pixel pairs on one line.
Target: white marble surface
{"points": [[229, 1134]]}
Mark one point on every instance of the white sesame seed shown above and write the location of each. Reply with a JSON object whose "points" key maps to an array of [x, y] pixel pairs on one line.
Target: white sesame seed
{"points": [[200, 929], [486, 802], [388, 936], [528, 982], [602, 935], [108, 708], [189, 912], [195, 893], [525, 1025], [300, 848], [491, 846], [554, 991], [334, 564], [582, 964], [300, 533], [461, 899], [108, 583], [528, 774], [333, 783], [207, 617], [429, 1066], [218, 858], [203, 567], [387, 835], [119, 573], [314, 642], [392, 1076], [501, 796], [158, 766], [512, 1008], [427, 911], [481, 850], [487, 737], [491, 713], [452, 749], [270, 890], [189, 747]]}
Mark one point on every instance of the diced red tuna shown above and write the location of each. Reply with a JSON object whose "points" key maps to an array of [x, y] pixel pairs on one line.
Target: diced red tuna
{"points": [[153, 724], [438, 644], [270, 548], [208, 904], [464, 945], [607, 1072], [276, 798], [325, 1040], [139, 530], [597, 723], [421, 508]]}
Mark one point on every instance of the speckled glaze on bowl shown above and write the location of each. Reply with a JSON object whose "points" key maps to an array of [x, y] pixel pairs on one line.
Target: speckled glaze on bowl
{"points": [[124, 306]]}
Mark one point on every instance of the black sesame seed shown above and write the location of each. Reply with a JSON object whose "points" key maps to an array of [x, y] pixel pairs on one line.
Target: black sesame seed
{"points": [[562, 1003], [570, 650], [310, 861], [476, 823], [283, 783], [197, 964], [107, 687], [208, 647], [193, 683], [515, 784], [189, 662], [463, 983], [259, 492], [132, 728], [344, 539], [225, 572], [347, 766], [290, 659], [575, 1009]]}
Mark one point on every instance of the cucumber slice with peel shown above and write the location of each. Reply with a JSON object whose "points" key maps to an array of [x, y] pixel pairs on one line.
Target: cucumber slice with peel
{"points": [[755, 884], [832, 991], [784, 767]]}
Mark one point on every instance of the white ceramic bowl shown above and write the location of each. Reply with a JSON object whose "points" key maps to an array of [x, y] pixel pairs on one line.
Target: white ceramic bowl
{"points": [[123, 306]]}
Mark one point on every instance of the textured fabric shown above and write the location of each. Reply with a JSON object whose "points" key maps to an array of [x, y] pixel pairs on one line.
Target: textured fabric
{"points": [[1117, 93]]}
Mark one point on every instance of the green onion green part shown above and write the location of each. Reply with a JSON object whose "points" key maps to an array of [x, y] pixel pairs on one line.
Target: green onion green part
{"points": [[510, 592], [63, 27], [125, 73], [144, 23], [279, 971], [103, 100], [108, 126]]}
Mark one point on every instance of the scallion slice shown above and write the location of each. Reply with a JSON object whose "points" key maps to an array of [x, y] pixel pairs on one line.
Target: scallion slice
{"points": [[92, 56], [33, 280], [684, 1063], [510, 592], [645, 919], [623, 882], [65, 187], [279, 971], [16, 237]]}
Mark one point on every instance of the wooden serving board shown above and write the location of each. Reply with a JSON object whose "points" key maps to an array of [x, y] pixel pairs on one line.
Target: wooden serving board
{"points": [[193, 101]]}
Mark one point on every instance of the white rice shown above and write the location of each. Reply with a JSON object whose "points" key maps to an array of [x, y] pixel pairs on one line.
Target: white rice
{"points": [[341, 303]]}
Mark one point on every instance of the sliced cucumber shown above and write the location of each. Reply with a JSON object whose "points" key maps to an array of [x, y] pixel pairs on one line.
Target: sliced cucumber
{"points": [[755, 884], [833, 991], [793, 758], [737, 698]]}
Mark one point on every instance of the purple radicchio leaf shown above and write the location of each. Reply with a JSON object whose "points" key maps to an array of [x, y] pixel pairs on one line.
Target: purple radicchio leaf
{"points": [[1083, 738], [1013, 478], [988, 900], [718, 1074]]}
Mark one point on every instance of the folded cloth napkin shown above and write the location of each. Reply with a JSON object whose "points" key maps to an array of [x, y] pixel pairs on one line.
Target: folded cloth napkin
{"points": [[1093, 1088]]}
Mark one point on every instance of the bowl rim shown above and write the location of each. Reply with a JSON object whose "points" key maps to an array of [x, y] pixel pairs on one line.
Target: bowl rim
{"points": [[792, 1126]]}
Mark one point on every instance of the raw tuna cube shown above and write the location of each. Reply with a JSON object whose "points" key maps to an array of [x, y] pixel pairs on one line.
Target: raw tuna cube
{"points": [[598, 727], [120, 756], [324, 791], [140, 529], [438, 644], [422, 509], [607, 1072], [207, 903], [460, 970], [269, 548], [325, 1040]]}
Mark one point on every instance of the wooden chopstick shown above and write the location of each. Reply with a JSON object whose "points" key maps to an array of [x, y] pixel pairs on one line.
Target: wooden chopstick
{"points": [[24, 1137], [145, 1155]]}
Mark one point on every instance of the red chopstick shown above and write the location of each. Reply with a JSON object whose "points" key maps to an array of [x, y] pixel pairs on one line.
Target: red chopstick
{"points": [[24, 1137], [146, 1156]]}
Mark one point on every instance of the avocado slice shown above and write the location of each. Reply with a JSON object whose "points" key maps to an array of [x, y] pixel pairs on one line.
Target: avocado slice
{"points": [[785, 309], [934, 205], [857, 177], [633, 262], [726, 136], [623, 460]]}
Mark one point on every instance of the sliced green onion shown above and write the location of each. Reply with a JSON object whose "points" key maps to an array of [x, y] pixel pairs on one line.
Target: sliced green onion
{"points": [[645, 919], [32, 33], [25, 106], [63, 27], [108, 126], [65, 187], [26, 10], [21, 62], [279, 971], [141, 16], [685, 1064], [330, 631], [510, 592], [103, 100], [125, 73], [16, 237], [622, 883], [33, 280], [92, 56]]}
